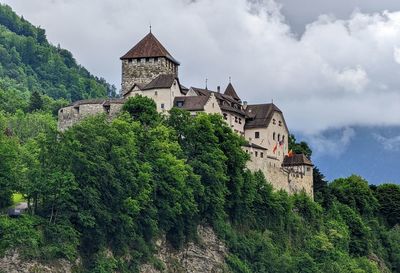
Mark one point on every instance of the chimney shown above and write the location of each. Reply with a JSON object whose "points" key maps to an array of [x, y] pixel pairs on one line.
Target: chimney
{"points": [[244, 105], [219, 89]]}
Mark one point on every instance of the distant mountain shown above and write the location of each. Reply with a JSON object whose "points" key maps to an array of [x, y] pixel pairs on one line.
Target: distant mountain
{"points": [[28, 62], [372, 152]]}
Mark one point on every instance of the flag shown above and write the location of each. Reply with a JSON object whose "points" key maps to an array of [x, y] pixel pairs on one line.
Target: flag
{"points": [[281, 143], [276, 147], [290, 153]]}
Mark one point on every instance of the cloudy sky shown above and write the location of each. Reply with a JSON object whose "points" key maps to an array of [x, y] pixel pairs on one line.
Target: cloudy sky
{"points": [[327, 64]]}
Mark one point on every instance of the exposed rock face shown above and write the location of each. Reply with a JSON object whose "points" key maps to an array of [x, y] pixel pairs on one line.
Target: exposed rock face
{"points": [[207, 255], [13, 263]]}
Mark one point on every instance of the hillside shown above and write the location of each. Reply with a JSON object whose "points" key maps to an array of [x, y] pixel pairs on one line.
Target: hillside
{"points": [[105, 193], [28, 63], [146, 192]]}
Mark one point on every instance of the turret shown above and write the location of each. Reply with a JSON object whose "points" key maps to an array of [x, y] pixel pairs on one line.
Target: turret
{"points": [[145, 61]]}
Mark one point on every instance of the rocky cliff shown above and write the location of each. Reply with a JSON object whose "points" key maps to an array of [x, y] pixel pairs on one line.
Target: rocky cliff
{"points": [[206, 255]]}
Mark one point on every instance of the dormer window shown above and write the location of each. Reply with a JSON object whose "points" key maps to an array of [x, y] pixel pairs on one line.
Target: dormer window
{"points": [[179, 103]]}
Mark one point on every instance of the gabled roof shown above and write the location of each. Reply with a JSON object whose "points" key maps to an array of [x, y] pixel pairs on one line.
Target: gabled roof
{"points": [[225, 101], [191, 103], [230, 91], [149, 47], [255, 146], [161, 81], [296, 160], [260, 115]]}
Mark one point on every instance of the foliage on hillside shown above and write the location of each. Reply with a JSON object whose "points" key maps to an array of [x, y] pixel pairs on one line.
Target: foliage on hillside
{"points": [[117, 185], [29, 63]]}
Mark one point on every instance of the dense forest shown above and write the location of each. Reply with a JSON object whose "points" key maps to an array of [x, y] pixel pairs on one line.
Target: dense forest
{"points": [[29, 63], [118, 185]]}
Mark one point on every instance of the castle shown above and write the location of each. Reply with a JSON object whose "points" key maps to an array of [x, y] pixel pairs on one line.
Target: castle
{"points": [[148, 69]]}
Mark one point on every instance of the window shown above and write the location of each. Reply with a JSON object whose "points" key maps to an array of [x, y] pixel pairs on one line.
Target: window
{"points": [[262, 155], [280, 123], [156, 59], [225, 116], [279, 137], [107, 109], [129, 60], [155, 93], [283, 137], [147, 60], [162, 105], [256, 153], [213, 105], [257, 135], [236, 119], [179, 103], [240, 121], [273, 136], [273, 121]]}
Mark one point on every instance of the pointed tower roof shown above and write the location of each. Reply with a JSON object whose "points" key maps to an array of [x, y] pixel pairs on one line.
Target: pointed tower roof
{"points": [[149, 47], [230, 91]]}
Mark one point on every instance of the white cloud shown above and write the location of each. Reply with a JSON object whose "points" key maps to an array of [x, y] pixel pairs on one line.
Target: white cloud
{"points": [[331, 145], [338, 73], [389, 143]]}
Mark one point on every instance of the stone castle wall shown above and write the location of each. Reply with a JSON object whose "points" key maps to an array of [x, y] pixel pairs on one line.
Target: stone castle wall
{"points": [[143, 70], [72, 114], [281, 178]]}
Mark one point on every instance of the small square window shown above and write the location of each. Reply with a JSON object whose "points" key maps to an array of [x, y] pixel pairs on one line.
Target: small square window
{"points": [[156, 93], [256, 153], [162, 105], [240, 121], [280, 123], [225, 116], [262, 155], [257, 135], [236, 119], [156, 59], [179, 103]]}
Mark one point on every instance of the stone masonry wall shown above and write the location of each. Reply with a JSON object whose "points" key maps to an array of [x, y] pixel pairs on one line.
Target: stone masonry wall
{"points": [[70, 115], [279, 178], [144, 70]]}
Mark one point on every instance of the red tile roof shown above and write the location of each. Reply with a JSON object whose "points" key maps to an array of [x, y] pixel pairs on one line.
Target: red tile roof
{"points": [[149, 47]]}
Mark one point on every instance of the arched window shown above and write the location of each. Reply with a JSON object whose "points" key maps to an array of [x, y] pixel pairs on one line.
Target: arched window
{"points": [[279, 137], [273, 136]]}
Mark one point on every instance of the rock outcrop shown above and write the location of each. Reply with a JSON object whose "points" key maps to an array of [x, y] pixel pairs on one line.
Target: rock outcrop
{"points": [[207, 255], [13, 263]]}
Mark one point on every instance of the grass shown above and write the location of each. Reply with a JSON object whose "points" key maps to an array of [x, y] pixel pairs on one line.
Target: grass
{"points": [[17, 198]]}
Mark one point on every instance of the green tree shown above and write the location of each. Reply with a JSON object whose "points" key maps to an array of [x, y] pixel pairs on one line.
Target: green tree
{"points": [[142, 109], [388, 196]]}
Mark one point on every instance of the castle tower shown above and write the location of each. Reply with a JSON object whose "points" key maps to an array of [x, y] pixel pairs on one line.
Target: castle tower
{"points": [[145, 61]]}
